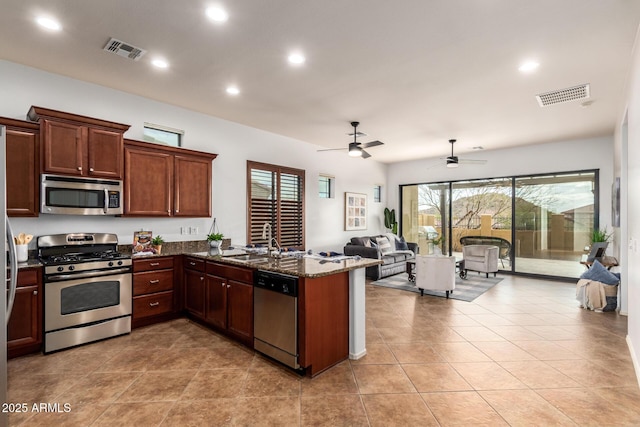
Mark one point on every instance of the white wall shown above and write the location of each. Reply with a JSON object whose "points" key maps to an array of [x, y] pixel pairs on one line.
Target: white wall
{"points": [[21, 87], [628, 135], [594, 153]]}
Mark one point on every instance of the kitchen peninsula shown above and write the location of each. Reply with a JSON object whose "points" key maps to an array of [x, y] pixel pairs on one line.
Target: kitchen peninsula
{"points": [[330, 304]]}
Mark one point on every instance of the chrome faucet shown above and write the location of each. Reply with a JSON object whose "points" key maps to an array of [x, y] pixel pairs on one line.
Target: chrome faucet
{"points": [[266, 235]]}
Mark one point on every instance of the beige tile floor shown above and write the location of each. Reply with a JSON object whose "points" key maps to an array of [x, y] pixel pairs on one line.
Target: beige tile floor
{"points": [[521, 354]]}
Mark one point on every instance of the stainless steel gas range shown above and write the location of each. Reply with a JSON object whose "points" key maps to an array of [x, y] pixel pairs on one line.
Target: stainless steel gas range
{"points": [[87, 289]]}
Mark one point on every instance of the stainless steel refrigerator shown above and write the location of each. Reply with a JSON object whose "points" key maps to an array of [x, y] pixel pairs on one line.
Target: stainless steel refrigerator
{"points": [[6, 298]]}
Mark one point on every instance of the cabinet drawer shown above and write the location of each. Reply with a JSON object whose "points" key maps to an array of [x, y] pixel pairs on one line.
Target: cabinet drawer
{"points": [[27, 277], [152, 264], [152, 281], [234, 273], [195, 264], [152, 305]]}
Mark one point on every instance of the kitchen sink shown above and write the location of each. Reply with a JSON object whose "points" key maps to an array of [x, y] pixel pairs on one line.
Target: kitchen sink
{"points": [[250, 258]]}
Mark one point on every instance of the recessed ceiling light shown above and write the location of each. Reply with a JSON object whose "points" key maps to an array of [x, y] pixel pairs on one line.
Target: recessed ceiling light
{"points": [[296, 59], [217, 14], [528, 66], [233, 90], [48, 23], [160, 63]]}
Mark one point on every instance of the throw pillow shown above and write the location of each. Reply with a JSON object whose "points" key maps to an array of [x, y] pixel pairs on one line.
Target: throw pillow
{"points": [[599, 273], [384, 245], [401, 244]]}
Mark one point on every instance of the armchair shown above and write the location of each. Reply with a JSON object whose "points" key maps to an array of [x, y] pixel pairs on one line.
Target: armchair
{"points": [[435, 272], [481, 258]]}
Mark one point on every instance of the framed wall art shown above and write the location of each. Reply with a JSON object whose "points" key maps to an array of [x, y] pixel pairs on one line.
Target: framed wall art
{"points": [[355, 211]]}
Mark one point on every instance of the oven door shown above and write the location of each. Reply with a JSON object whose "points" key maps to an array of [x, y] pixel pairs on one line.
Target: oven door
{"points": [[79, 301]]}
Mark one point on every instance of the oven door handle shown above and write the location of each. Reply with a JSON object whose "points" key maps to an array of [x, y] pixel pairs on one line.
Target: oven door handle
{"points": [[61, 277]]}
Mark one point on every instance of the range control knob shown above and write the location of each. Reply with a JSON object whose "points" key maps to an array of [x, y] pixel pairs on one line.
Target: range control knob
{"points": [[285, 289], [72, 267], [119, 262], [61, 268], [110, 263]]}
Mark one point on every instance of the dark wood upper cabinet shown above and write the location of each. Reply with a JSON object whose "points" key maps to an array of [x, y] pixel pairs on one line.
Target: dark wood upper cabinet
{"points": [[22, 174], [166, 181], [78, 145]]}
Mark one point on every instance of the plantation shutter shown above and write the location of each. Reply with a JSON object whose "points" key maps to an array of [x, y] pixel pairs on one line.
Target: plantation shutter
{"points": [[276, 196]]}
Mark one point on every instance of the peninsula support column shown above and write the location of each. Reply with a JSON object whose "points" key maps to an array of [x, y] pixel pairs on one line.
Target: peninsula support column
{"points": [[357, 317]]}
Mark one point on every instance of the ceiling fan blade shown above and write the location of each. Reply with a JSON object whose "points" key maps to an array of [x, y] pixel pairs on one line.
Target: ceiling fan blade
{"points": [[472, 161], [332, 149], [372, 144], [365, 155]]}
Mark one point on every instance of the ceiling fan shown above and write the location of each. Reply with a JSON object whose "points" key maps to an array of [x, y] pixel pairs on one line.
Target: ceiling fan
{"points": [[454, 161], [356, 149]]}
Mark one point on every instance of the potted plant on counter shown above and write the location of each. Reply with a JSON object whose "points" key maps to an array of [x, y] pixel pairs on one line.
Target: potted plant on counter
{"points": [[215, 240], [157, 242]]}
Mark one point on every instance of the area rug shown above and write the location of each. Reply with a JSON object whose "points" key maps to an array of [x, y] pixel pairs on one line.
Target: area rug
{"points": [[466, 289]]}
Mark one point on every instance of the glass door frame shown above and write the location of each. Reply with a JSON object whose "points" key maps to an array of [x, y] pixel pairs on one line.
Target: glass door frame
{"points": [[513, 178]]}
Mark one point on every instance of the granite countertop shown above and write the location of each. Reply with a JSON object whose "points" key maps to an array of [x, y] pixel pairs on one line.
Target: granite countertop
{"points": [[310, 267]]}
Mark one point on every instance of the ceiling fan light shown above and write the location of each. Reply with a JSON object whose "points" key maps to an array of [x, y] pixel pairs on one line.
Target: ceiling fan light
{"points": [[355, 151], [452, 163]]}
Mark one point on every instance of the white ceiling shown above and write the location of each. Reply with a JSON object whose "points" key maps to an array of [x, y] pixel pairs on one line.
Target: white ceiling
{"points": [[415, 73]]}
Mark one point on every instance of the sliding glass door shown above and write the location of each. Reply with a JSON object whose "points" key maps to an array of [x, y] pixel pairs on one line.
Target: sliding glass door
{"points": [[545, 220], [482, 208], [554, 218]]}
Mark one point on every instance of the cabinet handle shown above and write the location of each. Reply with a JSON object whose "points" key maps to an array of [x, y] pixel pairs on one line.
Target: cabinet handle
{"points": [[35, 292], [192, 263], [80, 168], [201, 277], [153, 282], [154, 304], [154, 264], [228, 286], [177, 210], [90, 169], [223, 285]]}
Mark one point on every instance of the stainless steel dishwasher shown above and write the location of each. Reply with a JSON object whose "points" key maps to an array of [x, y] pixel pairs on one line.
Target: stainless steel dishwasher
{"points": [[275, 316]]}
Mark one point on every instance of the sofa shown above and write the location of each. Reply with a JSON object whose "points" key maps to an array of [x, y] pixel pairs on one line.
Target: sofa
{"points": [[394, 257]]}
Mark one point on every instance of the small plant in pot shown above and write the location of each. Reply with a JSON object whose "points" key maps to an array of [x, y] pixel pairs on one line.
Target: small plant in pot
{"points": [[215, 240], [157, 242]]}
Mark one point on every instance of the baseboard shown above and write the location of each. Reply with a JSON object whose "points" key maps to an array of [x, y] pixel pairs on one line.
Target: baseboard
{"points": [[356, 356], [634, 359]]}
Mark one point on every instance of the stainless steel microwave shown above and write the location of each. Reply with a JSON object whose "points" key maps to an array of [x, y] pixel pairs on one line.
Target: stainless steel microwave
{"points": [[80, 196]]}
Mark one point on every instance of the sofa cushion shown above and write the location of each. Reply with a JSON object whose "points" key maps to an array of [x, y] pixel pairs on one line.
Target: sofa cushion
{"points": [[360, 241], [384, 245], [599, 273], [388, 259], [401, 244]]}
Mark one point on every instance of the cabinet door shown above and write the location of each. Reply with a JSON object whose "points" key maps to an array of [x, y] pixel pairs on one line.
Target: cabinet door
{"points": [[194, 293], [63, 147], [23, 173], [148, 183], [24, 331], [240, 309], [217, 301], [105, 153], [192, 186]]}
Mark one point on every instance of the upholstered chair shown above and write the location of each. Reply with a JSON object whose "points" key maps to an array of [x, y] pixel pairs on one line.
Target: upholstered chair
{"points": [[482, 258], [437, 273]]}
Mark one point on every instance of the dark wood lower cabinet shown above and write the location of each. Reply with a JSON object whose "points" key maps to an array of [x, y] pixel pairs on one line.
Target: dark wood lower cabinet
{"points": [[194, 293], [154, 296], [216, 301], [24, 331], [323, 321]]}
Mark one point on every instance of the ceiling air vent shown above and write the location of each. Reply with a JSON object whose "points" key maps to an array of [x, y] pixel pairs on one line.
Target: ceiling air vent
{"points": [[124, 49], [563, 95]]}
